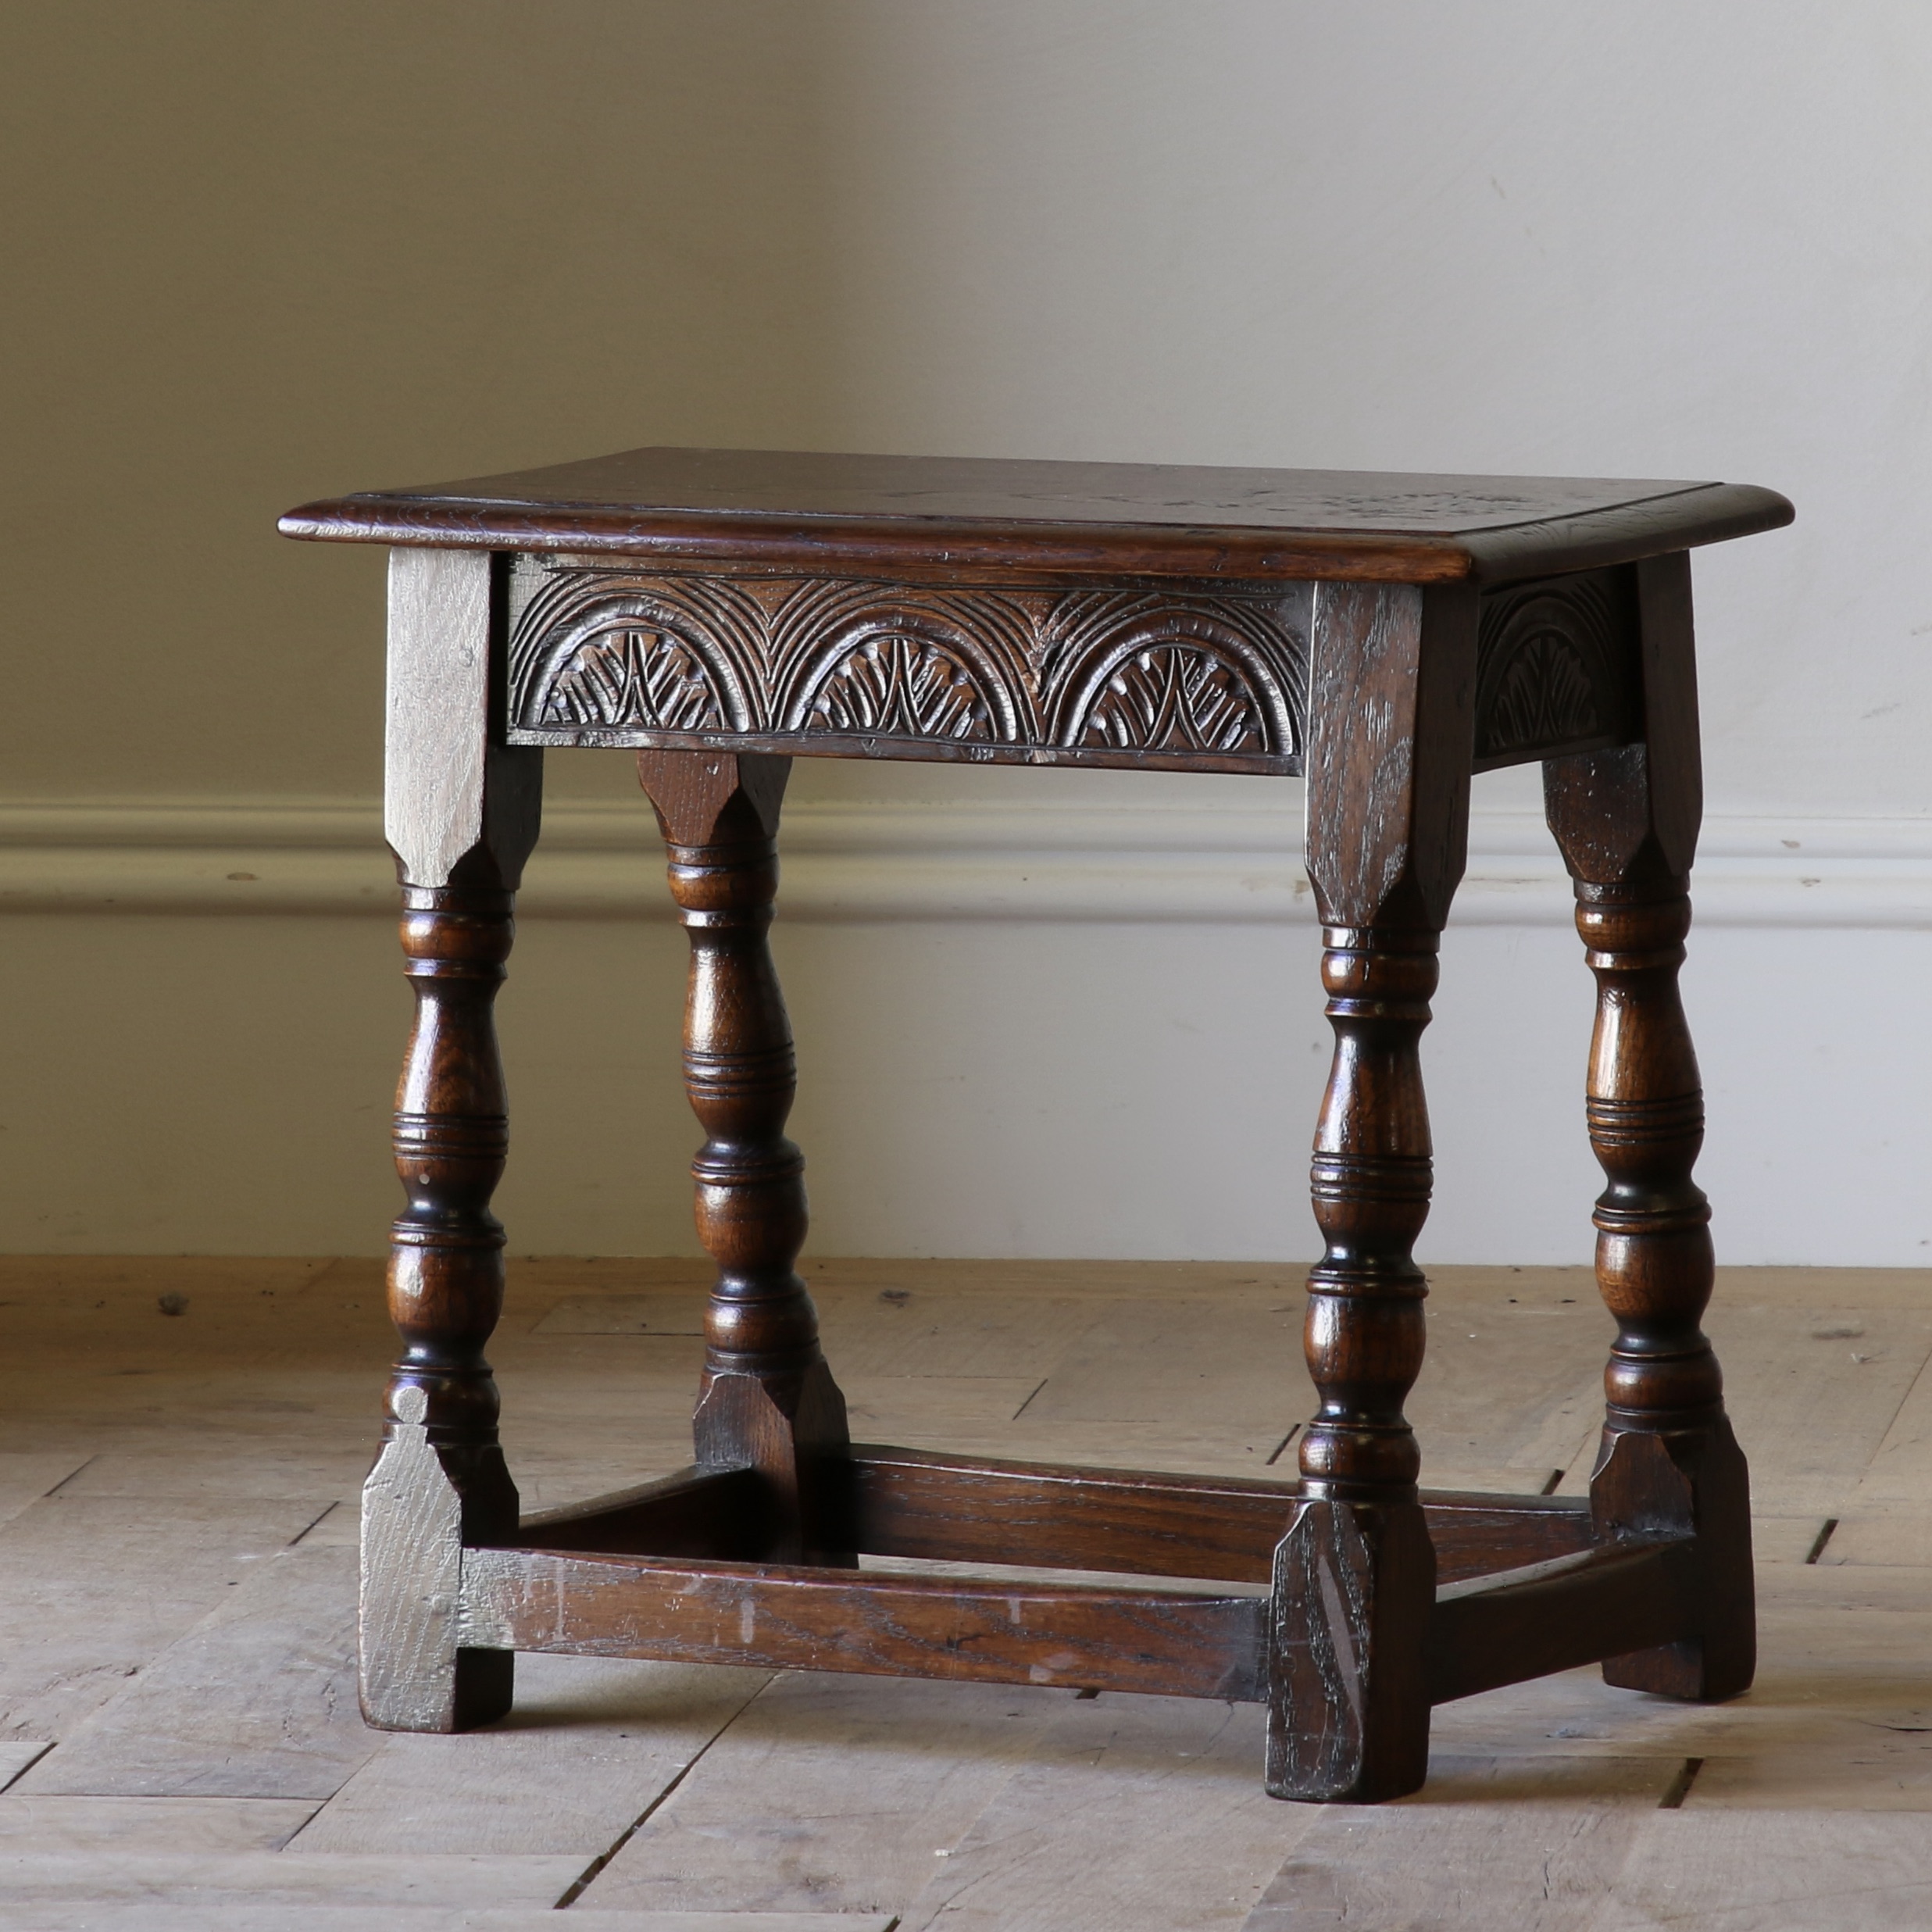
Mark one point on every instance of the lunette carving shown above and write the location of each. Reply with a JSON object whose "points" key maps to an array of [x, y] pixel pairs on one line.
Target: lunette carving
{"points": [[605, 655], [901, 686], [1556, 668]]}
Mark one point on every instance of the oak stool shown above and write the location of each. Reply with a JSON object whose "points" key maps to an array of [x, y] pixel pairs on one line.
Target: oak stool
{"points": [[722, 611]]}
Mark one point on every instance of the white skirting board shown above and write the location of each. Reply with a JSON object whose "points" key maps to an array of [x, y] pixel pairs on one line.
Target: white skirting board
{"points": [[1023, 1032], [847, 861]]}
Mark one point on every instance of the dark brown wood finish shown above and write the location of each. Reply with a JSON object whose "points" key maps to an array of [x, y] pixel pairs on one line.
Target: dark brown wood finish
{"points": [[930, 519], [784, 1618], [1392, 707], [1627, 822], [694, 1511], [1058, 1517], [1187, 677], [888, 1501], [1494, 1630], [767, 1400], [1543, 1591], [719, 610], [1557, 668]]}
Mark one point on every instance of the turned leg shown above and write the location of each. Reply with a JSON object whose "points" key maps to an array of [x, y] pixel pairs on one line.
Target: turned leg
{"points": [[1627, 821], [1356, 1576], [1388, 763], [461, 817], [767, 1400]]}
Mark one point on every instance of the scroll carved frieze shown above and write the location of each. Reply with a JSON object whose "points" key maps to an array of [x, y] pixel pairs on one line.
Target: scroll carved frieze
{"points": [[1556, 668], [1214, 676]]}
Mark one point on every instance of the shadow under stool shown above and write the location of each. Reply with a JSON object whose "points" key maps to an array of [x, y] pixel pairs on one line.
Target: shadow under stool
{"points": [[1385, 636]]}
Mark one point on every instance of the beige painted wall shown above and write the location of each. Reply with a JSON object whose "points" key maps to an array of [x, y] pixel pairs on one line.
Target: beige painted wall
{"points": [[258, 252]]}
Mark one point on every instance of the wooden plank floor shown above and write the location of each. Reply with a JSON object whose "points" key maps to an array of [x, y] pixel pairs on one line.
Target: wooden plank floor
{"points": [[179, 1746]]}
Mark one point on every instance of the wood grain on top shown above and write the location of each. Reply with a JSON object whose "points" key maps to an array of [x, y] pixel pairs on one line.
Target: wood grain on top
{"points": [[802, 510]]}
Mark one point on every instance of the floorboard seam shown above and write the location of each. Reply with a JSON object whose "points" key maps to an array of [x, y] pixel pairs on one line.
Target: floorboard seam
{"points": [[1679, 1789], [69, 1477], [597, 1864], [312, 1816], [1898, 1408], [330, 1510], [26, 1767]]}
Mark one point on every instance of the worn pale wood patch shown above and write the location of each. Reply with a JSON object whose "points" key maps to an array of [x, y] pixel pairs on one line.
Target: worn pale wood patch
{"points": [[1898, 1479], [1786, 1539], [150, 1824], [1909, 1289], [828, 1794], [1891, 1537], [17, 1754], [257, 1701], [77, 1628], [1773, 1871], [1226, 1283], [1510, 1386], [410, 1570], [1879, 1761], [265, 1879], [1131, 1811], [24, 1478], [600, 1381], [589, 1744], [667, 1312], [919, 1411], [263, 1473], [1813, 1394], [908, 1328], [40, 1283], [149, 1916], [1523, 1853], [338, 1527], [1160, 1361]]}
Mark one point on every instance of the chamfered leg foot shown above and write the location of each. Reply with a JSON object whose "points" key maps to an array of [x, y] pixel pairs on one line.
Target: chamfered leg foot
{"points": [[1347, 1698], [415, 1674], [1694, 1480]]}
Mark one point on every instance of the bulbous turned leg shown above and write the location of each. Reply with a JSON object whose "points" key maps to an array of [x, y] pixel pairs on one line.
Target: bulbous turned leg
{"points": [[1354, 1578], [1627, 823], [461, 814], [767, 1400], [1669, 1460], [439, 1482]]}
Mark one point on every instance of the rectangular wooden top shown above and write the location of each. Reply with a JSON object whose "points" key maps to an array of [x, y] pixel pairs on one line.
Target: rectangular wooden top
{"points": [[800, 511]]}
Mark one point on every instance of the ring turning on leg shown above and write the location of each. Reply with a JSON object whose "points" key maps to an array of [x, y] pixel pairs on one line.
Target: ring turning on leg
{"points": [[767, 1400]]}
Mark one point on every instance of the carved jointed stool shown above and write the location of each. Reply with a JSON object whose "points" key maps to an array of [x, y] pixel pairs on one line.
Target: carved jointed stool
{"points": [[1385, 635]]}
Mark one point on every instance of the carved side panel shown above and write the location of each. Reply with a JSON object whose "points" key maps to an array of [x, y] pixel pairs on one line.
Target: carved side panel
{"points": [[1557, 668], [1214, 676]]}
